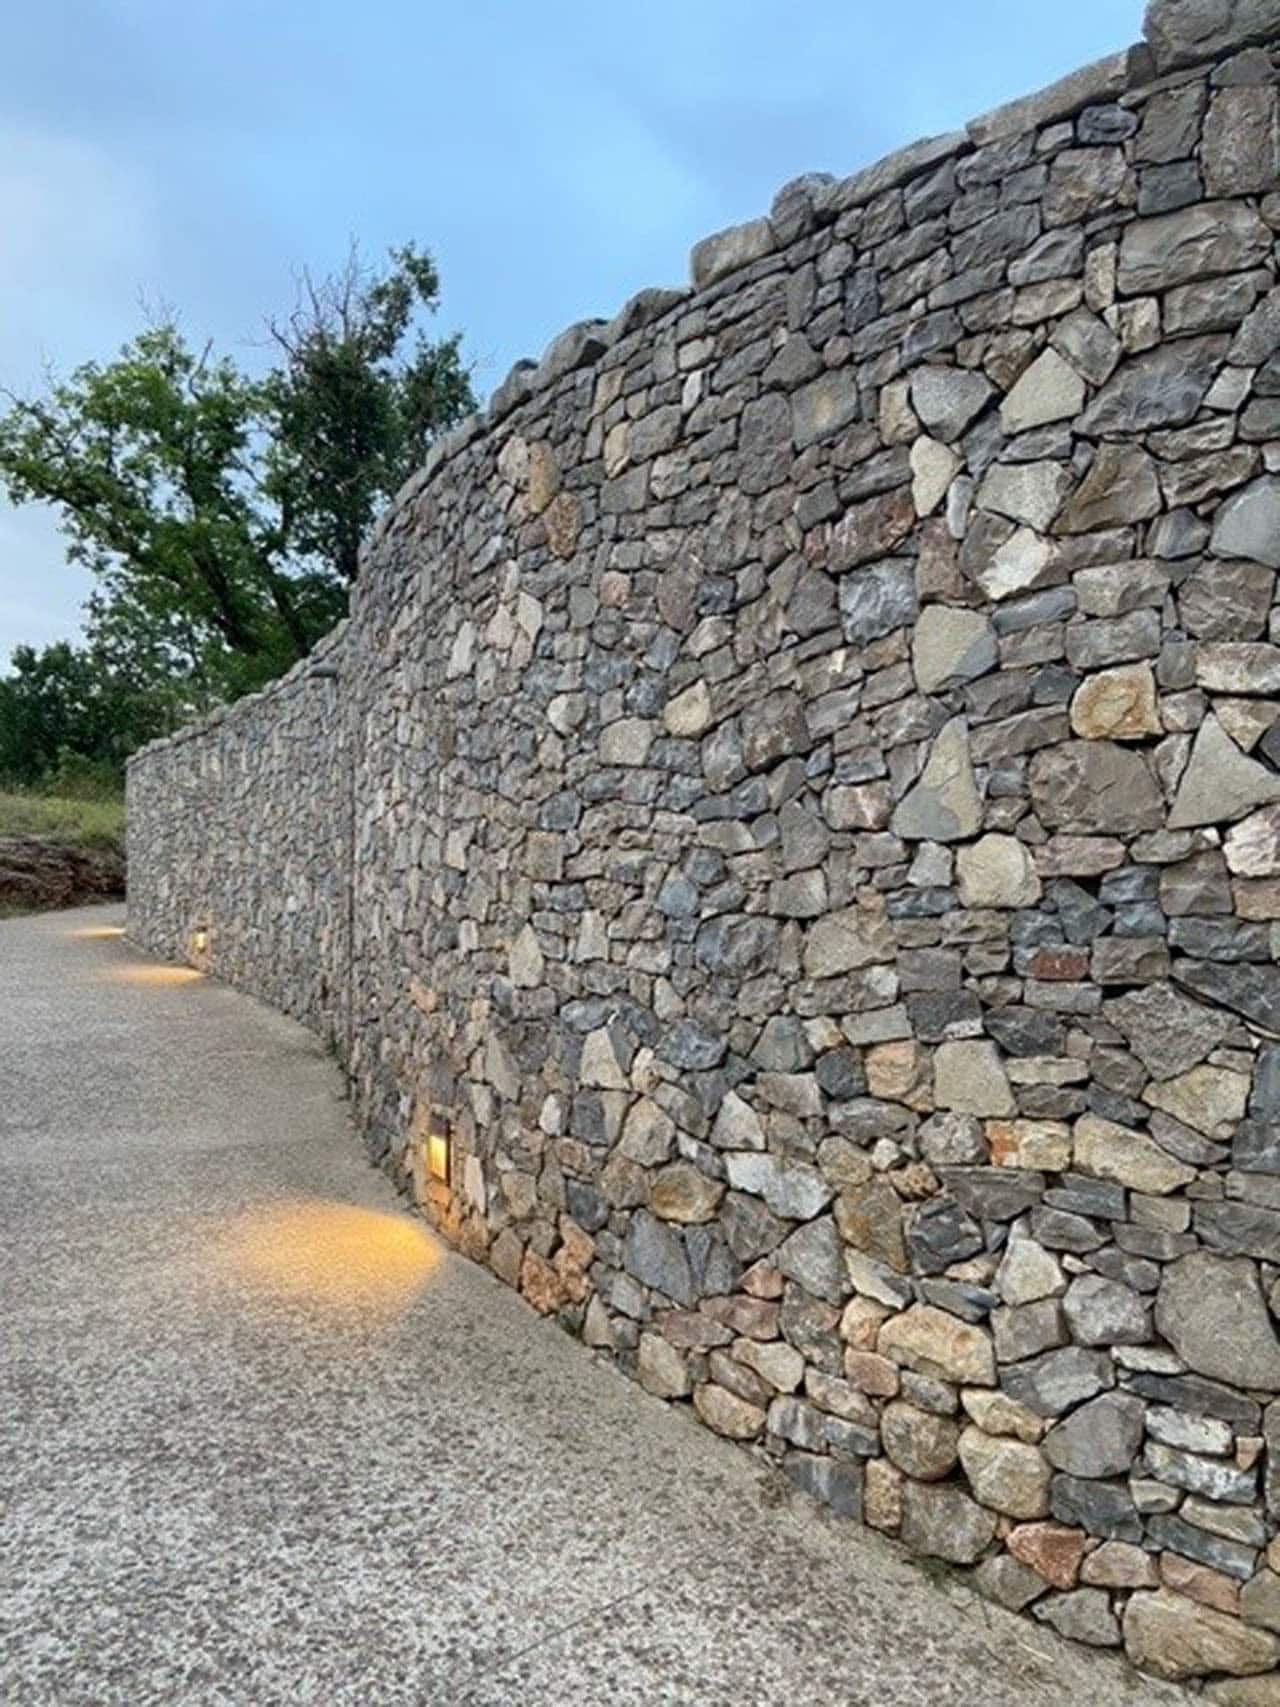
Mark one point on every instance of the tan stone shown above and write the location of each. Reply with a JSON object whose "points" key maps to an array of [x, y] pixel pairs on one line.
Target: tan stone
{"points": [[1116, 705], [684, 1193], [1128, 1158], [726, 1413], [899, 1072], [541, 1285], [1119, 1564], [882, 1495], [1245, 1692], [1198, 1582], [933, 1343], [861, 1323], [996, 1413], [561, 521], [968, 1078], [997, 871], [1177, 1638], [1010, 1476], [870, 1219], [1029, 1144], [689, 713], [542, 476], [1051, 1550], [661, 1368], [871, 1373], [1210, 1099]]}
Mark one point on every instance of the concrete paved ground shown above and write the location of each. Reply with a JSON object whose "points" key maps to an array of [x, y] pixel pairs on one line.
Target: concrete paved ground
{"points": [[262, 1439]]}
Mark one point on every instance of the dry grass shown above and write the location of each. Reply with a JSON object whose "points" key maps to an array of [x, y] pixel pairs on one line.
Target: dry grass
{"points": [[76, 823]]}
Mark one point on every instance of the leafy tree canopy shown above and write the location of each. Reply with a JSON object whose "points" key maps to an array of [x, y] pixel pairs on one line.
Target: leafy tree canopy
{"points": [[222, 511]]}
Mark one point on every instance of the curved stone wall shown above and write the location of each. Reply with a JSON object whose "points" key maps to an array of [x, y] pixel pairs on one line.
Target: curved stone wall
{"points": [[797, 803]]}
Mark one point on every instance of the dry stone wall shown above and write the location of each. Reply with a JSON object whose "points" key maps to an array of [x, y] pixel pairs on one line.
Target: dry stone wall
{"points": [[798, 807]]}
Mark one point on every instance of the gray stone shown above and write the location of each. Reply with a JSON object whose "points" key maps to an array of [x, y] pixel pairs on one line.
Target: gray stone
{"points": [[823, 407], [1166, 1030], [1099, 1508], [1030, 492], [875, 601], [715, 257], [1241, 143], [1049, 390], [1190, 1541], [1094, 788], [1194, 243], [947, 399], [1212, 1312], [814, 1257], [941, 1233], [832, 1482], [1101, 1438], [1220, 782], [1163, 387], [942, 1522], [655, 1254], [1253, 991], [1057, 1381], [1025, 1330], [1105, 1312], [944, 805], [1248, 523], [1252, 847], [848, 940], [1213, 1478], [950, 646], [1083, 1614]]}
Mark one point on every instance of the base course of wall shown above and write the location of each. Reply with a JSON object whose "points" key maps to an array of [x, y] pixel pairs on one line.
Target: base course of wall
{"points": [[796, 805]]}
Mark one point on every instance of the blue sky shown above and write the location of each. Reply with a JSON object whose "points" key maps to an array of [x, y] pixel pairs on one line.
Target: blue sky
{"points": [[555, 158]]}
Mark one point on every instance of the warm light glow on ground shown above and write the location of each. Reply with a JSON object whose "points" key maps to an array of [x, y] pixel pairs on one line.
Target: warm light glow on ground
{"points": [[144, 974], [332, 1254], [97, 933]]}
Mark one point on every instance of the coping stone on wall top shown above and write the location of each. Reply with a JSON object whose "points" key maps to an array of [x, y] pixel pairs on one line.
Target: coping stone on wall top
{"points": [[1186, 32]]}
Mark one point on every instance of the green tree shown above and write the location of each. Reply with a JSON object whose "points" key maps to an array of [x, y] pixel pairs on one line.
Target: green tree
{"points": [[77, 711], [222, 511]]}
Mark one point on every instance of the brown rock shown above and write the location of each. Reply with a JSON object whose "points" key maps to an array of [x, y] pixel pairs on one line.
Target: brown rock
{"points": [[1050, 1549], [1198, 1582], [1116, 705], [683, 1193]]}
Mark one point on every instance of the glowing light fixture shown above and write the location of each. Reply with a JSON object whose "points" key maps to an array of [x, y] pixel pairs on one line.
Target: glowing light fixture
{"points": [[200, 939], [438, 1155]]}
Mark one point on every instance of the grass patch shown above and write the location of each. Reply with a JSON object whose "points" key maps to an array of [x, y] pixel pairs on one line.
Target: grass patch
{"points": [[75, 823]]}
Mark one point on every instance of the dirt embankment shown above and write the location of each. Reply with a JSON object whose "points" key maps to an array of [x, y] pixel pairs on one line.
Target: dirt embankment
{"points": [[38, 872]]}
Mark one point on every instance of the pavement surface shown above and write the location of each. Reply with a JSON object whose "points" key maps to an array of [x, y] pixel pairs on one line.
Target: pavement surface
{"points": [[264, 1439]]}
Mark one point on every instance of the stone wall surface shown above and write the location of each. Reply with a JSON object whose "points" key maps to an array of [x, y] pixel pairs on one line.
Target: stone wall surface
{"points": [[798, 806]]}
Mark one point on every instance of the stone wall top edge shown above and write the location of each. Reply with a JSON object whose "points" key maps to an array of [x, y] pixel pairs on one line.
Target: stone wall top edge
{"points": [[801, 205], [282, 687], [1178, 34]]}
